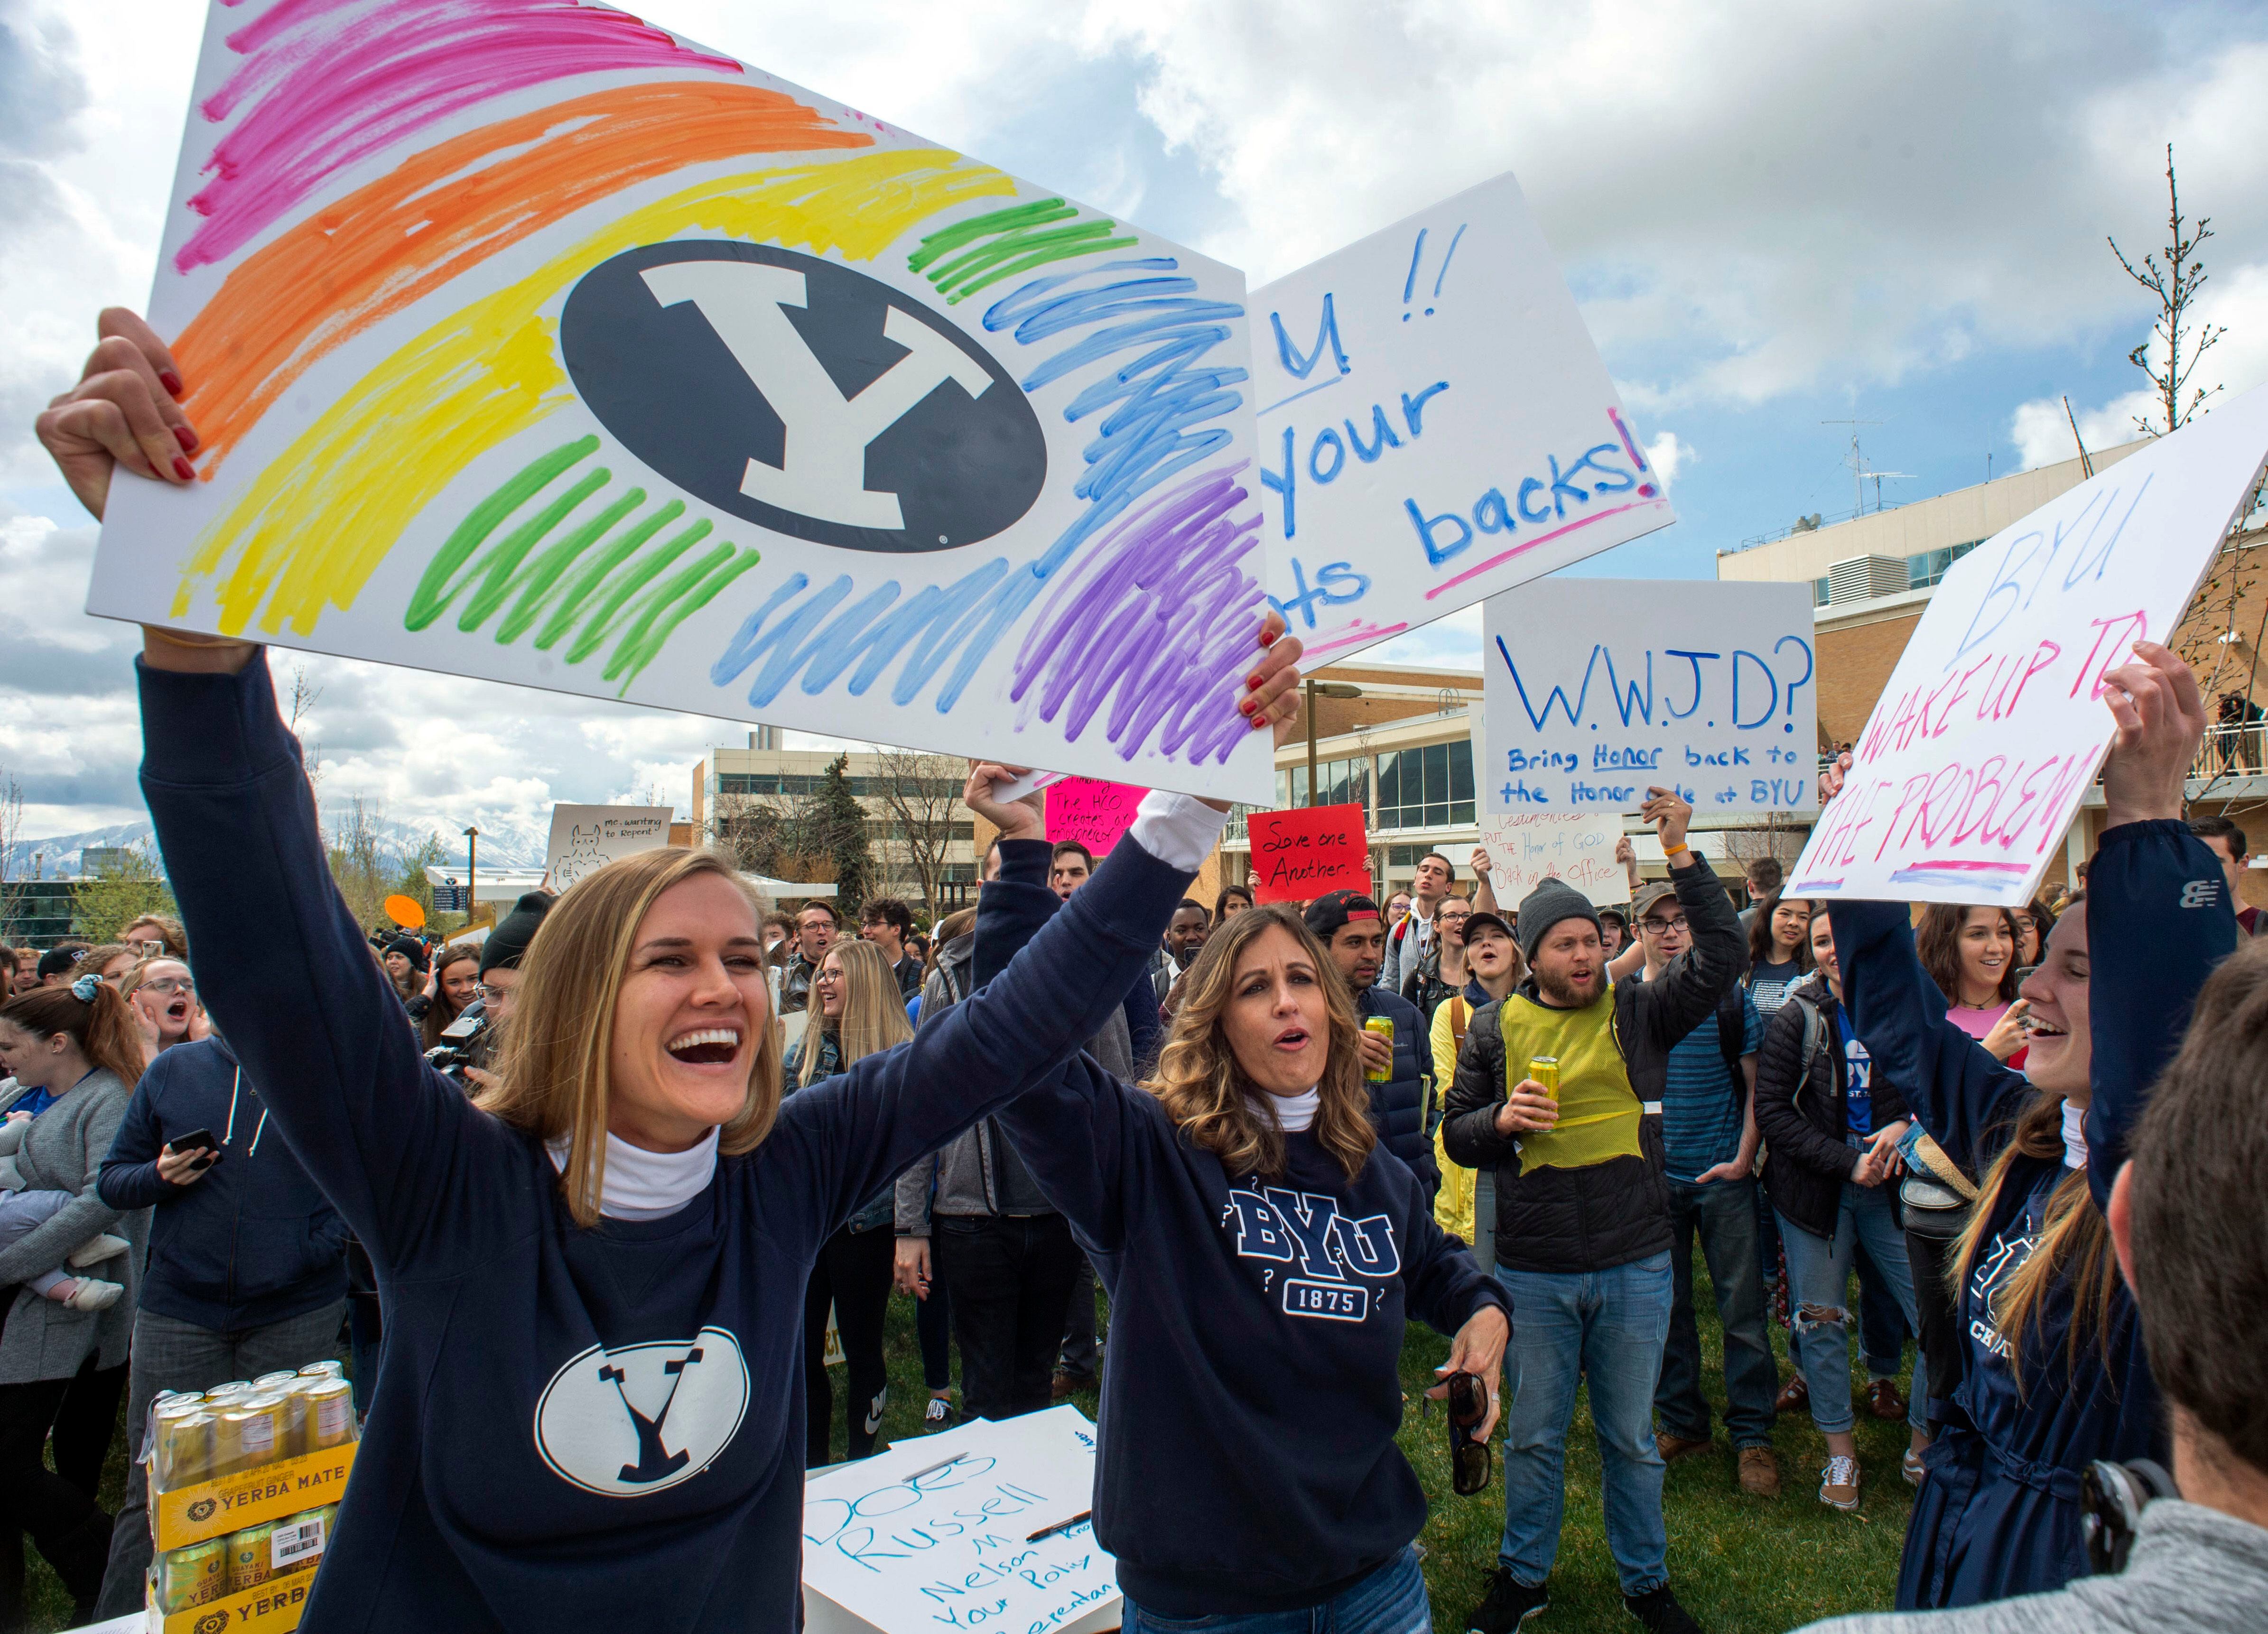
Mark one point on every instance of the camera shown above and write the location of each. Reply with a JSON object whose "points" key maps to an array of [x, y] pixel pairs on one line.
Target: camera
{"points": [[468, 1042]]}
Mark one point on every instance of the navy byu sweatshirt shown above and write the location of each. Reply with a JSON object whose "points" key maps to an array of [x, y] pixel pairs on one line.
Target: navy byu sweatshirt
{"points": [[1247, 1460], [252, 1242], [574, 1429]]}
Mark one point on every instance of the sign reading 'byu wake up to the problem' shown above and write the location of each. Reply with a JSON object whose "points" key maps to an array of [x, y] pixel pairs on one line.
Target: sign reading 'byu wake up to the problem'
{"points": [[1988, 737], [1598, 689], [1435, 426]]}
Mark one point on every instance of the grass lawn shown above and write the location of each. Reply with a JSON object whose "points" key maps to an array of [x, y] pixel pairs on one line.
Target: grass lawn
{"points": [[1741, 1565]]}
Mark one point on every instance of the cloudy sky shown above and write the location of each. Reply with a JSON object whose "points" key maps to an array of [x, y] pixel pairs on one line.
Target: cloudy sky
{"points": [[1772, 216]]}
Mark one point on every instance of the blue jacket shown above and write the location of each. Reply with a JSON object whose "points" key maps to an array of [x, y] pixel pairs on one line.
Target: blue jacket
{"points": [[573, 1427], [253, 1243], [1397, 1107], [1999, 1515], [1246, 1459]]}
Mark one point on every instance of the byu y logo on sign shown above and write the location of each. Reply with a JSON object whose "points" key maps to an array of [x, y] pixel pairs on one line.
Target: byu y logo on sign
{"points": [[794, 392]]}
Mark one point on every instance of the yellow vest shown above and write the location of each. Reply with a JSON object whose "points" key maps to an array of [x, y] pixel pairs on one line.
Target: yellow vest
{"points": [[1599, 1111]]}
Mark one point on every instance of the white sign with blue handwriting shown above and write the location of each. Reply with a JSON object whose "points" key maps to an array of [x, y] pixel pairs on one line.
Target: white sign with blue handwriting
{"points": [[1435, 426], [1598, 689], [983, 1526]]}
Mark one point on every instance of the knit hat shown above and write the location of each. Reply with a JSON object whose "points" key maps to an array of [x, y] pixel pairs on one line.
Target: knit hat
{"points": [[1549, 902], [411, 948], [515, 932]]}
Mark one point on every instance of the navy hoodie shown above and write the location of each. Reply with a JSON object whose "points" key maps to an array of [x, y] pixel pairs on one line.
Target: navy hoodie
{"points": [[2000, 1515], [255, 1241], [1247, 1461], [572, 1428]]}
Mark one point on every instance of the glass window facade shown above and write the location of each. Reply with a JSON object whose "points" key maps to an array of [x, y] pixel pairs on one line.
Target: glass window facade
{"points": [[1340, 783], [1819, 593], [1928, 567], [1425, 788]]}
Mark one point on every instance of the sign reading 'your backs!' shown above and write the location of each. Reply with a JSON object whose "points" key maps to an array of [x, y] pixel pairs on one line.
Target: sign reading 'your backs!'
{"points": [[540, 344]]}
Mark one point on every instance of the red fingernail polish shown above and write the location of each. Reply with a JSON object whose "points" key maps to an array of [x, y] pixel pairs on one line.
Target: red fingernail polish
{"points": [[1267, 638], [1259, 721], [183, 469], [1252, 682], [171, 381], [185, 437]]}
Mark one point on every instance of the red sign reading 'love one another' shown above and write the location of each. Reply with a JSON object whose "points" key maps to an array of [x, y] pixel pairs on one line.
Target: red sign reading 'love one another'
{"points": [[1300, 854]]}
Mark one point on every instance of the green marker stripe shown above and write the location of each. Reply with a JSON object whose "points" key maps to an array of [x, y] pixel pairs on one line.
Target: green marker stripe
{"points": [[428, 602]]}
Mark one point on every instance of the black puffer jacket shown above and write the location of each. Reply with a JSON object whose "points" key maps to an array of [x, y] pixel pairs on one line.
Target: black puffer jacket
{"points": [[1802, 1117], [1397, 1107], [1588, 1219]]}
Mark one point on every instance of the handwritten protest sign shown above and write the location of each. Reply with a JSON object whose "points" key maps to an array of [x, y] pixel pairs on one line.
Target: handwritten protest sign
{"points": [[586, 838], [1992, 724], [1597, 689], [1435, 426], [1092, 812], [1301, 853], [1526, 848], [940, 1533], [562, 351]]}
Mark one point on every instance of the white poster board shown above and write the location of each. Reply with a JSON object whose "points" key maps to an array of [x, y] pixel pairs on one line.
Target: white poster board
{"points": [[1435, 426], [1526, 848], [939, 1533], [575, 355], [1992, 726], [586, 838], [1597, 689]]}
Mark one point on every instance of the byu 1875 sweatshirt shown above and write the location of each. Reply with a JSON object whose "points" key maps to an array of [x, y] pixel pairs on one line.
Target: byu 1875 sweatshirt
{"points": [[574, 1429], [1246, 1459]]}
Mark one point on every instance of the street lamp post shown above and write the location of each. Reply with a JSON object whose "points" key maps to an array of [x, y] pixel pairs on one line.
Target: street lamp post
{"points": [[472, 874], [1321, 690]]}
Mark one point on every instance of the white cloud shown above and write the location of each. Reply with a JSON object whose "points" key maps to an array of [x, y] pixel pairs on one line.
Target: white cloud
{"points": [[1668, 456]]}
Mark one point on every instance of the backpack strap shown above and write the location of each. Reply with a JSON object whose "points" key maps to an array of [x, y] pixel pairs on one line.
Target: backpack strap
{"points": [[1814, 1039], [1460, 1014]]}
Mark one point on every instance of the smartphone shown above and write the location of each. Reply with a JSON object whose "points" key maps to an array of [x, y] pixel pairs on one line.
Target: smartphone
{"points": [[198, 1140]]}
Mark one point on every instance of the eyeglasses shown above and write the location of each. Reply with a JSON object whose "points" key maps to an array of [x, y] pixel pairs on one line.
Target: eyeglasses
{"points": [[1657, 926], [171, 984], [1468, 1455], [827, 975], [488, 995]]}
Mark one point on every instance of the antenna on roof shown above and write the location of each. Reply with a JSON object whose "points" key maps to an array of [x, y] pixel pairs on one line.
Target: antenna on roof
{"points": [[2086, 464]]}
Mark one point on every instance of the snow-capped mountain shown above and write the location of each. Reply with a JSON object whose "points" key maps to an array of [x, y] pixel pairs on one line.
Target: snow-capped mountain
{"points": [[505, 845]]}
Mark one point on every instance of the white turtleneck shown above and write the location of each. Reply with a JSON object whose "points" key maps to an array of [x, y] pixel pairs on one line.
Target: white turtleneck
{"points": [[1292, 1113], [641, 1185], [2075, 1137]]}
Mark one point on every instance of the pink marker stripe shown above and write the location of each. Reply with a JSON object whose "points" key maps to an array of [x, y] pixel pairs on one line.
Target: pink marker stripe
{"points": [[327, 84], [1540, 539], [1357, 633]]}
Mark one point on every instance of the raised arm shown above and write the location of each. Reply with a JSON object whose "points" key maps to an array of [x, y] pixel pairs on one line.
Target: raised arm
{"points": [[2158, 914], [1687, 993]]}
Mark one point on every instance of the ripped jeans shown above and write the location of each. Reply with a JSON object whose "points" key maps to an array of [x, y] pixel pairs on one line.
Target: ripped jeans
{"points": [[1819, 1282]]}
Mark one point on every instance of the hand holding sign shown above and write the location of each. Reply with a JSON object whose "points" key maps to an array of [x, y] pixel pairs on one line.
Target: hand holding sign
{"points": [[2161, 723]]}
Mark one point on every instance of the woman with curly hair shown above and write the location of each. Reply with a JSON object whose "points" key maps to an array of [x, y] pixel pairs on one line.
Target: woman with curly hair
{"points": [[1262, 1253]]}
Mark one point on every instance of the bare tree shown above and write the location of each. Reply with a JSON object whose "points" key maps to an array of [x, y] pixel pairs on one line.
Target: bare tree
{"points": [[921, 794], [11, 834], [777, 835], [357, 854], [2176, 284]]}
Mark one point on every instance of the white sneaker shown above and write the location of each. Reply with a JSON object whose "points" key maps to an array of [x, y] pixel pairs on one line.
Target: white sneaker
{"points": [[1911, 1467], [94, 1295], [98, 1249], [1838, 1484]]}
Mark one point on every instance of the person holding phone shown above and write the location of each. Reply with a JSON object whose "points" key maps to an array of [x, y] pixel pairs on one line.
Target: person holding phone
{"points": [[246, 1269]]}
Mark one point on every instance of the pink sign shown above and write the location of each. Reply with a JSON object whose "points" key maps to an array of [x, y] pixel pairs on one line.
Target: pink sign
{"points": [[1093, 813]]}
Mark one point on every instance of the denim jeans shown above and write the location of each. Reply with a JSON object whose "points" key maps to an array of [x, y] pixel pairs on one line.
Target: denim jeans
{"points": [[1611, 1326], [1010, 1276], [1389, 1601], [1819, 1277], [1724, 1215]]}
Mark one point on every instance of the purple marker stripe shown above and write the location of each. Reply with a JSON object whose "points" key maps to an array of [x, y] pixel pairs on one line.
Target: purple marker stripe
{"points": [[1540, 539]]}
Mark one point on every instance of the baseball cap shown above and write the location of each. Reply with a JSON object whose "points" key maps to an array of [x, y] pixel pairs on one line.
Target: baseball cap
{"points": [[1334, 908]]}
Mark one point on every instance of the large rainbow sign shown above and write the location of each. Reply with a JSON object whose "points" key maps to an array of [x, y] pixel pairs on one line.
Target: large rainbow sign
{"points": [[529, 340]]}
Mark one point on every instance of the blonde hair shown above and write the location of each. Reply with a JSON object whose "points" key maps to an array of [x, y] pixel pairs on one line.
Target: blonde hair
{"points": [[554, 1072], [2073, 1244], [1205, 1093], [874, 1016]]}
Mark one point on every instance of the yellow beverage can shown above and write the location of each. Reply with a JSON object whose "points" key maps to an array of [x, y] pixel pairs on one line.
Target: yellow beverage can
{"points": [[192, 1576], [282, 1381], [1545, 1070], [1383, 1025], [183, 1455], [330, 1414], [249, 1436], [324, 1369], [249, 1562], [300, 1541]]}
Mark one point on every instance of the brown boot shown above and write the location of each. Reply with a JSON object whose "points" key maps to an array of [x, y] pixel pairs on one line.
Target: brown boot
{"points": [[1885, 1402], [1674, 1447], [1794, 1396], [1759, 1472]]}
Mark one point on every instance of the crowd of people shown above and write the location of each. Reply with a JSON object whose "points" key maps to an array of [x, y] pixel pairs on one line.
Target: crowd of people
{"points": [[652, 1114]]}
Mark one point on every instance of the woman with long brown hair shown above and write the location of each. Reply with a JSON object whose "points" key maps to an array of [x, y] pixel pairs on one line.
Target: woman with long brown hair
{"points": [[1262, 1253], [1971, 954], [855, 1013], [591, 1384], [2054, 1375], [455, 981]]}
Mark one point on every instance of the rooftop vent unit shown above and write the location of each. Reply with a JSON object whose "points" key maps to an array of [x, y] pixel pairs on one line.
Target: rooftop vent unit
{"points": [[1862, 578]]}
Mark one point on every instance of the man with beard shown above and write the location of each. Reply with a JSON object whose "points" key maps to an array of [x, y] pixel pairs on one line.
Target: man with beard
{"points": [[1583, 1234]]}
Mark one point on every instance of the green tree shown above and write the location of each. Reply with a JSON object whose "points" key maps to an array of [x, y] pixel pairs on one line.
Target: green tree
{"points": [[106, 903], [840, 822]]}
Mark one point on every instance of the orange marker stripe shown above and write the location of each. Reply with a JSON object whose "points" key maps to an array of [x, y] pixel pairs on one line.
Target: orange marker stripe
{"points": [[356, 263]]}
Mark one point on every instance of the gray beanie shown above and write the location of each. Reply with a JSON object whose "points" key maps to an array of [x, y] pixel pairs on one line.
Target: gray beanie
{"points": [[1549, 902]]}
